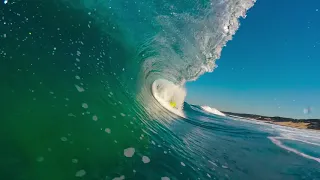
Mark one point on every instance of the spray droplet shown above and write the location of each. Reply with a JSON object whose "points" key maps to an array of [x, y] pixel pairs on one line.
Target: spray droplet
{"points": [[81, 173], [107, 130], [85, 105], [129, 152], [145, 159]]}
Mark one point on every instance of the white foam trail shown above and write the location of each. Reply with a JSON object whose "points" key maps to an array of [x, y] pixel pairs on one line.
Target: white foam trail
{"points": [[212, 110], [279, 143], [306, 136], [165, 91], [300, 140]]}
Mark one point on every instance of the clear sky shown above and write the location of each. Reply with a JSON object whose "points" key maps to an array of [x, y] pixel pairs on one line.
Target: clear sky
{"points": [[271, 67]]}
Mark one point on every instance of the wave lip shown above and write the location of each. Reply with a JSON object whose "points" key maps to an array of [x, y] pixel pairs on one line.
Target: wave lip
{"points": [[212, 110], [188, 44]]}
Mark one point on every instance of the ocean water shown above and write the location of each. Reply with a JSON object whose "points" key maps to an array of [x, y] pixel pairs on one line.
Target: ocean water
{"points": [[86, 86]]}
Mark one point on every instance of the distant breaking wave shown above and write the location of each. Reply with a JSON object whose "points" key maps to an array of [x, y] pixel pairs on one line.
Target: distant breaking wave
{"points": [[212, 110]]}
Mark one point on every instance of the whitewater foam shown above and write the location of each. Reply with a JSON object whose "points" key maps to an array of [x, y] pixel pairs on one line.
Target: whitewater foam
{"points": [[165, 92]]}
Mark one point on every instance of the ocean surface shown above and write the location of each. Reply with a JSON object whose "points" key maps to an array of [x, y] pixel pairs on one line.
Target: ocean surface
{"points": [[94, 89]]}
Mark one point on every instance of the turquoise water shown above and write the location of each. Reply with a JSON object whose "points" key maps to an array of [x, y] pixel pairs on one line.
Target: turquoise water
{"points": [[79, 99]]}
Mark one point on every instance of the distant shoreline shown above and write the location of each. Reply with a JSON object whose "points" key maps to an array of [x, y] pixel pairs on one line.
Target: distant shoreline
{"points": [[313, 124]]}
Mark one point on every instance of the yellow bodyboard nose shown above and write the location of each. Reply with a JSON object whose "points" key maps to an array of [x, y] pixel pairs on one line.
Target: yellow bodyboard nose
{"points": [[173, 104]]}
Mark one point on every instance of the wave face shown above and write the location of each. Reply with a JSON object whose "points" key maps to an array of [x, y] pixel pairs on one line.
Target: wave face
{"points": [[94, 89]]}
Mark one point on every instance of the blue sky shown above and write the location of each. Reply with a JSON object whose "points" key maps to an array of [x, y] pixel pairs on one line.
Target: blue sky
{"points": [[271, 67]]}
